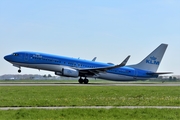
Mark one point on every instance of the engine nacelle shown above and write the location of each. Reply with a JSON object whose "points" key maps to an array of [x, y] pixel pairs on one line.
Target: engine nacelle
{"points": [[68, 72]]}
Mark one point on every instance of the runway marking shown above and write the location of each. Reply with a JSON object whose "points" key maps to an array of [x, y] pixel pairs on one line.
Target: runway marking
{"points": [[92, 107]]}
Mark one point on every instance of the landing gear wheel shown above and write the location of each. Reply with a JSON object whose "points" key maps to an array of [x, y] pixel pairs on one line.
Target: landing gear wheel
{"points": [[19, 71], [81, 80], [86, 81]]}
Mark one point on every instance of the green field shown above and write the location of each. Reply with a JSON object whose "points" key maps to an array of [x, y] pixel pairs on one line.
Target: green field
{"points": [[89, 96], [24, 96], [92, 114]]}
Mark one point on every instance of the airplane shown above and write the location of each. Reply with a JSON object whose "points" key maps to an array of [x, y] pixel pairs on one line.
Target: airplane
{"points": [[75, 67]]}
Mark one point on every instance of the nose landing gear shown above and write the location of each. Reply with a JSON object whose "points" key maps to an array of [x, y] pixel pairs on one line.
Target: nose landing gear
{"points": [[19, 71]]}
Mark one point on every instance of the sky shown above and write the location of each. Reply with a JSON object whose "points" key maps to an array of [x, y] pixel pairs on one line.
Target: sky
{"points": [[108, 30]]}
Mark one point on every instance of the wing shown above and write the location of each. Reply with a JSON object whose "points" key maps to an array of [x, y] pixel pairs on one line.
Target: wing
{"points": [[93, 71]]}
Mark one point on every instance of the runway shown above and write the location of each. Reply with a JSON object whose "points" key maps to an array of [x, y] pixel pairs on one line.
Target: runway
{"points": [[92, 107], [90, 84]]}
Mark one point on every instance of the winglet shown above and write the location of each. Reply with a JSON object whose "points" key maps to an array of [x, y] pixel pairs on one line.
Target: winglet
{"points": [[125, 61], [122, 64], [94, 59], [108, 67]]}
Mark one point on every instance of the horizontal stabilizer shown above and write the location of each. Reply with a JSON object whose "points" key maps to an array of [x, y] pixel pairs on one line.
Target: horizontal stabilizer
{"points": [[159, 73]]}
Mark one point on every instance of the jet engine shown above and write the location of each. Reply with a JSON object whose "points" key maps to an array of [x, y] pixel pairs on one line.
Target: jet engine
{"points": [[68, 72]]}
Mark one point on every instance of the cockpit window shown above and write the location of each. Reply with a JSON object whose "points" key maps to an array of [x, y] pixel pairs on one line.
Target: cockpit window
{"points": [[15, 54]]}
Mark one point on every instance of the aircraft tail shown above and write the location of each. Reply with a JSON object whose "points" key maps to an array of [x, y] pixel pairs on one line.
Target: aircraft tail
{"points": [[153, 60]]}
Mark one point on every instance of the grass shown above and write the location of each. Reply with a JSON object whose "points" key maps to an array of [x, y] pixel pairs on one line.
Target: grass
{"points": [[89, 96], [92, 114]]}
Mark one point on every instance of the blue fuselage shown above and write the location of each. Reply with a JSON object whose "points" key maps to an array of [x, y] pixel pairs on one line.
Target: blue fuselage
{"points": [[56, 63]]}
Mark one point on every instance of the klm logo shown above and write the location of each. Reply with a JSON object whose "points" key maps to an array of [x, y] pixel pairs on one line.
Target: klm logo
{"points": [[153, 61]]}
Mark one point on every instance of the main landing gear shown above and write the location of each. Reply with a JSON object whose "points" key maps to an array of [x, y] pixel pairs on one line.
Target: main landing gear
{"points": [[85, 80]]}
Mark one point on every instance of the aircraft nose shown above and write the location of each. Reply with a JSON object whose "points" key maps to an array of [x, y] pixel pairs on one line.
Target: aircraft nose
{"points": [[7, 57]]}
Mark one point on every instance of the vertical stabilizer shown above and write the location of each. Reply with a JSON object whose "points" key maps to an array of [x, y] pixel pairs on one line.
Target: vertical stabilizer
{"points": [[153, 60]]}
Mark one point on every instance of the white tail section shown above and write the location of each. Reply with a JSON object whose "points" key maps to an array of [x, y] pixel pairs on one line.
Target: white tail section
{"points": [[153, 60]]}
